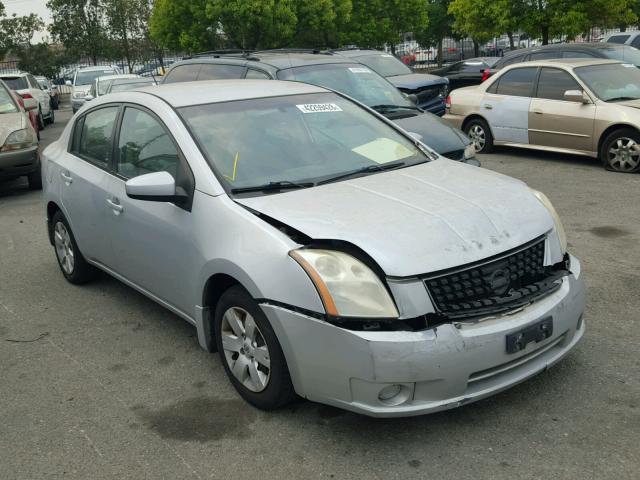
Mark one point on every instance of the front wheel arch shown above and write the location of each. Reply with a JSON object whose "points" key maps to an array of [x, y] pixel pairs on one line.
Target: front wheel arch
{"points": [[610, 130]]}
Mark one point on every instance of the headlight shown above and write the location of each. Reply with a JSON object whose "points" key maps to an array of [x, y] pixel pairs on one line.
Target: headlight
{"points": [[562, 236], [79, 95], [470, 151], [347, 287], [18, 140]]}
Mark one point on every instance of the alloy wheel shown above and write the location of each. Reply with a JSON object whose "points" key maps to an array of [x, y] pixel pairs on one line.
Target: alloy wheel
{"points": [[245, 349], [624, 155], [64, 248], [478, 137]]}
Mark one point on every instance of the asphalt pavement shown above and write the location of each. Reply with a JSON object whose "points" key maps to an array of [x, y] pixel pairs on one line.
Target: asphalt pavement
{"points": [[98, 382]]}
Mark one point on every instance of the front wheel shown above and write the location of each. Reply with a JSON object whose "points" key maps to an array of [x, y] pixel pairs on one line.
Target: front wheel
{"points": [[250, 351], [41, 123], [621, 151], [480, 134]]}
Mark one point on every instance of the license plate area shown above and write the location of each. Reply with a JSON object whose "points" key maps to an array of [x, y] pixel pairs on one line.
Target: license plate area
{"points": [[537, 332]]}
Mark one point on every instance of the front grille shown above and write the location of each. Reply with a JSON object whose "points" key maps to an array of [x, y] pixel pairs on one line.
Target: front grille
{"points": [[499, 284], [429, 94]]}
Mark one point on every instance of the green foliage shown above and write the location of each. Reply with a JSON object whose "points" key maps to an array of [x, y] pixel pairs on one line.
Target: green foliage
{"points": [[41, 59], [182, 25], [17, 31], [321, 22], [440, 23], [480, 19], [252, 24]]}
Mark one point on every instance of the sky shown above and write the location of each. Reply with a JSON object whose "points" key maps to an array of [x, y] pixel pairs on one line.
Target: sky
{"points": [[25, 7]]}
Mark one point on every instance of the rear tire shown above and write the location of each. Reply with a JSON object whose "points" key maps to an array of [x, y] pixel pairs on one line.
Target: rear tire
{"points": [[620, 151], [41, 123], [480, 134], [52, 117], [250, 351], [73, 265]]}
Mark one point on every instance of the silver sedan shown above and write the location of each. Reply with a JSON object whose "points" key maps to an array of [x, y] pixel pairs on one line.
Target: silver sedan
{"points": [[319, 248]]}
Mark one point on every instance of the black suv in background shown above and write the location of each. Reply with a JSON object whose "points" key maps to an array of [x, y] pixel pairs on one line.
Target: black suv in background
{"points": [[335, 72], [430, 90], [612, 51]]}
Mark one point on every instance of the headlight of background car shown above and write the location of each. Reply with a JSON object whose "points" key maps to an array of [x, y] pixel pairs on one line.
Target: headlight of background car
{"points": [[18, 140], [470, 151], [562, 236], [79, 94], [347, 287]]}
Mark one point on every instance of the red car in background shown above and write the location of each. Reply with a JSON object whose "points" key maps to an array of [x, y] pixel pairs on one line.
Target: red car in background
{"points": [[33, 115]]}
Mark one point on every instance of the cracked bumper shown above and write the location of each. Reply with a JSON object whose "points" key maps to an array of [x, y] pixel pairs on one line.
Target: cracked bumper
{"points": [[438, 369]]}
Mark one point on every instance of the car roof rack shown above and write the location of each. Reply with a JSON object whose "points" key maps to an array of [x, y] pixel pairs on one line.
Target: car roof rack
{"points": [[226, 53], [313, 51]]}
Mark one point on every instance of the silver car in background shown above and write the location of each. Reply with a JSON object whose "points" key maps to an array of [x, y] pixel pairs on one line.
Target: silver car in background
{"points": [[83, 78], [318, 247]]}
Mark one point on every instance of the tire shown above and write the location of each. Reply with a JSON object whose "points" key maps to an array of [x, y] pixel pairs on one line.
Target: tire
{"points": [[620, 151], [245, 359], [480, 134], [52, 118], [41, 123], [80, 271], [35, 179]]}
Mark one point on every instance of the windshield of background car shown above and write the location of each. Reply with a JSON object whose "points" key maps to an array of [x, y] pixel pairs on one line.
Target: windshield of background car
{"points": [[297, 138], [123, 87], [7, 102], [87, 77], [16, 83], [352, 79], [103, 86], [385, 64], [624, 53], [612, 81], [43, 84]]}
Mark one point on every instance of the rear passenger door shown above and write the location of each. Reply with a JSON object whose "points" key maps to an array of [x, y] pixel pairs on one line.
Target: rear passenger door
{"points": [[556, 122], [506, 103]]}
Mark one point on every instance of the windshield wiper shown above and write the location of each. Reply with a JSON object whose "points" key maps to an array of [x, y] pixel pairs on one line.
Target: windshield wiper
{"points": [[394, 107], [367, 169], [281, 185], [620, 99]]}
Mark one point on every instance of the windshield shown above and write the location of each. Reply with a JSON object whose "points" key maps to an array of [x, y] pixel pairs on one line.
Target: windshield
{"points": [[612, 81], [122, 87], [385, 65], [16, 83], [624, 53], [7, 102], [87, 77], [43, 84], [297, 138], [354, 80]]}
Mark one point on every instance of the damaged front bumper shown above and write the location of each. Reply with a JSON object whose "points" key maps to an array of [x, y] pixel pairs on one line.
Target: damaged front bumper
{"points": [[403, 373]]}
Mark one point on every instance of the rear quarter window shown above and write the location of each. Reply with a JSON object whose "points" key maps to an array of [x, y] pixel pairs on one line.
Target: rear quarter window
{"points": [[517, 82], [183, 73], [214, 71]]}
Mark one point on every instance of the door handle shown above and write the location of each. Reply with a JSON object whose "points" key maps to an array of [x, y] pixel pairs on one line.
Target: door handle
{"points": [[115, 206], [488, 107], [538, 112], [66, 177]]}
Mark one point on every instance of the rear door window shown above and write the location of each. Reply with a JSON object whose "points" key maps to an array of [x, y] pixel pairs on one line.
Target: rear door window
{"points": [[553, 82], [517, 82], [212, 71], [618, 39], [96, 136], [509, 61], [183, 73], [545, 55], [636, 42], [574, 54], [257, 74], [16, 83]]}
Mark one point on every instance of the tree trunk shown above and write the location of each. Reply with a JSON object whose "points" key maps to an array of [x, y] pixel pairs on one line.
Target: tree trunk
{"points": [[511, 43], [545, 35], [476, 49], [439, 52], [393, 49]]}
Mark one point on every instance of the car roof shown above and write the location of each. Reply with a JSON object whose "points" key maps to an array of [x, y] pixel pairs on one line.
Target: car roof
{"points": [[95, 68], [563, 62], [13, 74], [117, 76], [560, 46], [215, 91], [123, 81]]}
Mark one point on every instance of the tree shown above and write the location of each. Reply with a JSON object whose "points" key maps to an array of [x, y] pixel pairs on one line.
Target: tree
{"points": [[252, 24], [181, 24], [79, 25], [41, 59], [125, 25], [375, 23], [321, 23], [440, 25]]}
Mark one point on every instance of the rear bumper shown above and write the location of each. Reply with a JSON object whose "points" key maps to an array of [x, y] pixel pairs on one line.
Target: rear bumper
{"points": [[436, 369], [19, 162], [454, 120]]}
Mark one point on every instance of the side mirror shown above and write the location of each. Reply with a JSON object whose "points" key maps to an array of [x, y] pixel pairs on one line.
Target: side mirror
{"points": [[88, 98], [30, 104], [155, 187], [68, 83], [576, 96]]}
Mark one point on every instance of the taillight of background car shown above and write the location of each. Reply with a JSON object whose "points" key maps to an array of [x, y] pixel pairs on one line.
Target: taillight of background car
{"points": [[447, 102], [485, 74]]}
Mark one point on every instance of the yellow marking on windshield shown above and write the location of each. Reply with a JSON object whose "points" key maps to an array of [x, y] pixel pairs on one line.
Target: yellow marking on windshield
{"points": [[383, 150], [235, 168]]}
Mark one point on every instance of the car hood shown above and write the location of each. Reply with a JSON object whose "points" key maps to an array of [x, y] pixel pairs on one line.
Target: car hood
{"points": [[414, 81], [436, 133], [627, 103], [416, 220], [84, 89], [10, 122]]}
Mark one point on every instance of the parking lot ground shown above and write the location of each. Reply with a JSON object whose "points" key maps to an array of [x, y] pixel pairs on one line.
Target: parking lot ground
{"points": [[98, 382]]}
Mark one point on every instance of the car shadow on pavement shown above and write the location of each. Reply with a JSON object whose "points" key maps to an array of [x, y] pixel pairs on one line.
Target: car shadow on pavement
{"points": [[544, 156], [14, 188]]}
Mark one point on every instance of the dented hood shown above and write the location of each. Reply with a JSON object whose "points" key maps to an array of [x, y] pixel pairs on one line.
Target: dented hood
{"points": [[416, 220]]}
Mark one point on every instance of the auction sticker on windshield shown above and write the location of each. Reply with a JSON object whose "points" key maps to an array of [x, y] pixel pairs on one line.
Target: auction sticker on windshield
{"points": [[319, 108], [359, 70]]}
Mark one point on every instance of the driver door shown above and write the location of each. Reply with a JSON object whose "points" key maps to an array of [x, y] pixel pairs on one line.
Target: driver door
{"points": [[152, 241]]}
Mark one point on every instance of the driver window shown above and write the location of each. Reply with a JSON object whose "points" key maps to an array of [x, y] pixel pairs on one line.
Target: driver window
{"points": [[144, 146]]}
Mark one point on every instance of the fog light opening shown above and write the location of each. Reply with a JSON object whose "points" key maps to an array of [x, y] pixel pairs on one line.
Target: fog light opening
{"points": [[394, 394]]}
